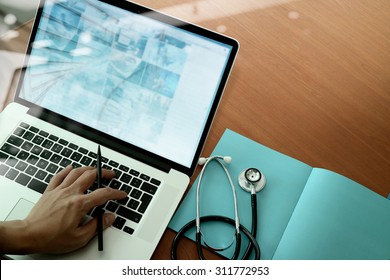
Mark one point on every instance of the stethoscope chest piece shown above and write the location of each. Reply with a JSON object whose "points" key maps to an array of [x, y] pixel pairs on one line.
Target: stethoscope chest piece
{"points": [[251, 178]]}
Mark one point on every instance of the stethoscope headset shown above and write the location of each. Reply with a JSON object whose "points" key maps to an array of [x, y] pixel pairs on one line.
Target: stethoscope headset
{"points": [[251, 180]]}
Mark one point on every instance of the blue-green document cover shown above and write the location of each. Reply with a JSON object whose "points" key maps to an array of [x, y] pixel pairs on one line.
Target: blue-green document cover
{"points": [[303, 212]]}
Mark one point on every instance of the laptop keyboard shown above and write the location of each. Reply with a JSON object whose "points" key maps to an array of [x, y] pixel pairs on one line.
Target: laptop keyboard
{"points": [[31, 157]]}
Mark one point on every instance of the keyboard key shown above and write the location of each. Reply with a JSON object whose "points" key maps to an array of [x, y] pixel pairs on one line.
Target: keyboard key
{"points": [[83, 150], [66, 152], [43, 133], [73, 146], [3, 169], [119, 222], [124, 168], [126, 189], [3, 157], [133, 204], [125, 178], [134, 172], [23, 179], [37, 185], [23, 155], [36, 150], [136, 182], [46, 154], [11, 174], [123, 201], [155, 182], [76, 156], [28, 135], [33, 129], [63, 142], [38, 139], [14, 140], [136, 193], [31, 170], [42, 163], [105, 166], [115, 184], [11, 161], [113, 163], [9, 149], [129, 214], [76, 165], [24, 125], [128, 230], [52, 168], [41, 175], [145, 177], [112, 206], [86, 161], [27, 146], [19, 131], [149, 188], [56, 158], [53, 137], [21, 166], [65, 162], [145, 201], [47, 144], [57, 148], [32, 159], [92, 155]]}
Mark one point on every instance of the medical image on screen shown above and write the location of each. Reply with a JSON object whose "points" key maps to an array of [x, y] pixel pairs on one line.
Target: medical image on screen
{"points": [[104, 68], [147, 82]]}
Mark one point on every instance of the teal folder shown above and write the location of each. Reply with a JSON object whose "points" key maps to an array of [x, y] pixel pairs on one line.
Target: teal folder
{"points": [[303, 212]]}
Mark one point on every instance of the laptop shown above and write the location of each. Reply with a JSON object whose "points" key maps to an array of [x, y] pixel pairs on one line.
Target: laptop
{"points": [[141, 84]]}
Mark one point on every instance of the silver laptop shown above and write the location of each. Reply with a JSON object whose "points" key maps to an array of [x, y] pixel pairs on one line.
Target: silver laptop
{"points": [[143, 85]]}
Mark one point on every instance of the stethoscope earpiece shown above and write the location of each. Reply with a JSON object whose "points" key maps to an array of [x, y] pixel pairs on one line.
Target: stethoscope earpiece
{"points": [[202, 161], [226, 159]]}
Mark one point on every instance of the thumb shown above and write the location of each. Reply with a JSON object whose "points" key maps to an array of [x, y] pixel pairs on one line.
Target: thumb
{"points": [[108, 220], [89, 230]]}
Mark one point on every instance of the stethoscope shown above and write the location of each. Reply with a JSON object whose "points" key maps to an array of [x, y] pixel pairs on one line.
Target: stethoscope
{"points": [[251, 180]]}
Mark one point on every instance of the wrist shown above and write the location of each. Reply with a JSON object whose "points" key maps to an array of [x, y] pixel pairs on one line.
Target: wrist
{"points": [[15, 238]]}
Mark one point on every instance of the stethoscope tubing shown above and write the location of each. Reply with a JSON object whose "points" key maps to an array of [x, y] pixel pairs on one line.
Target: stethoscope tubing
{"points": [[218, 159], [251, 235], [213, 218]]}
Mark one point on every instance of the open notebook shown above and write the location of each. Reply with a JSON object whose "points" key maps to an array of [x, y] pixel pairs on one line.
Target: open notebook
{"points": [[303, 212]]}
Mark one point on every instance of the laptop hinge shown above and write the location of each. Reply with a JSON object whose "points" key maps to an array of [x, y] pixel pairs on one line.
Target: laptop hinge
{"points": [[99, 137]]}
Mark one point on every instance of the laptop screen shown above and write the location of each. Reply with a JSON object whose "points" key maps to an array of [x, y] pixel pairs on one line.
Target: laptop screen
{"points": [[127, 74]]}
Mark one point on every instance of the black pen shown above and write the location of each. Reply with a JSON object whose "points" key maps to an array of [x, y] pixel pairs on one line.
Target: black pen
{"points": [[99, 208]]}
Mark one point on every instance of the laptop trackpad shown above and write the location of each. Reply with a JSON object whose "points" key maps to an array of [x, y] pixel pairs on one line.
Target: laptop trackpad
{"points": [[20, 211]]}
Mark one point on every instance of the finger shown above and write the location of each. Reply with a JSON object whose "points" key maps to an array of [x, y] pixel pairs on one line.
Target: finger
{"points": [[74, 175], [89, 230], [59, 178], [108, 173], [102, 195], [85, 181]]}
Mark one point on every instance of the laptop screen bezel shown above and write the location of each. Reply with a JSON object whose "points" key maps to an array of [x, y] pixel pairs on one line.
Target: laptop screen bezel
{"points": [[121, 145]]}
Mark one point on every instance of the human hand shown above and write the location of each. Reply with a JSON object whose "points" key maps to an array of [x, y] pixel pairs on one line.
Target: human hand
{"points": [[56, 223]]}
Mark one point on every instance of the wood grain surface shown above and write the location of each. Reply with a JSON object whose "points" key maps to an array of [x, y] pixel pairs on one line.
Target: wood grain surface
{"points": [[312, 80]]}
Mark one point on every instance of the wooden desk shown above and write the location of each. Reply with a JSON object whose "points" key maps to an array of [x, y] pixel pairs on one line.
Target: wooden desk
{"points": [[312, 80]]}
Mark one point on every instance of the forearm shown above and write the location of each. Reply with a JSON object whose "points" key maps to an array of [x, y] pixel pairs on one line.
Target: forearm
{"points": [[15, 239]]}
